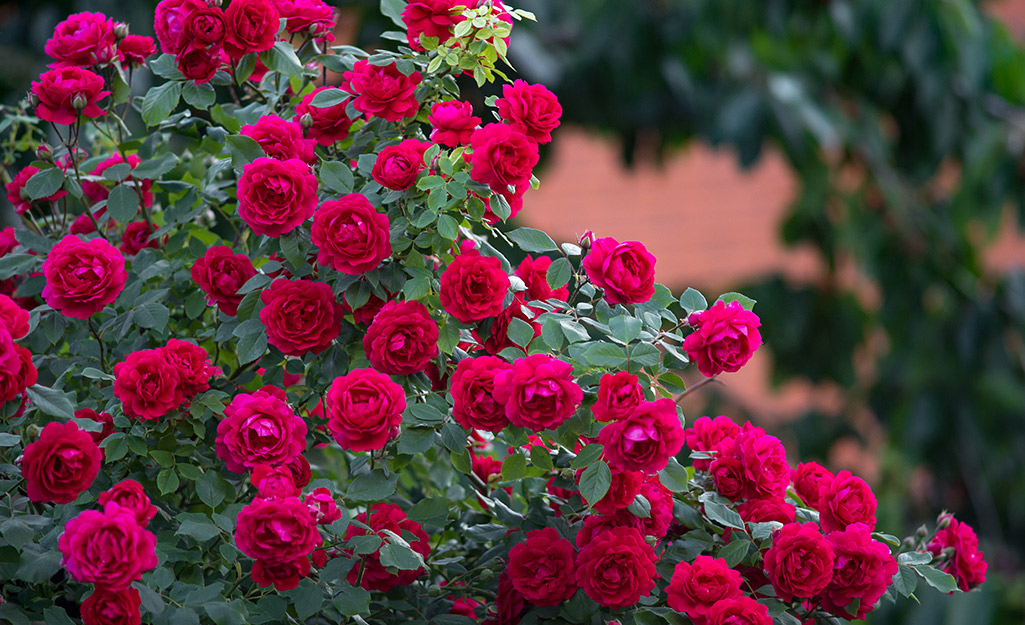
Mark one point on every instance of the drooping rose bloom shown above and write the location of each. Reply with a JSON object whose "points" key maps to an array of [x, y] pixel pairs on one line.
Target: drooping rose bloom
{"points": [[199, 65], [275, 197], [626, 271], [473, 388], [61, 464], [725, 337], [133, 50], [364, 407], [300, 316], [386, 516], [473, 287], [59, 90], [129, 495], [259, 429], [382, 91], [645, 439], [323, 507], [107, 548], [81, 40], [220, 274], [616, 568], [148, 384], [531, 109], [539, 566], [538, 392], [402, 338], [83, 276], [350, 235], [282, 574], [329, 123]]}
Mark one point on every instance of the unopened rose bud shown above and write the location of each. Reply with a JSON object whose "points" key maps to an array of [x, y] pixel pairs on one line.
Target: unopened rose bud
{"points": [[486, 575], [943, 522], [79, 102], [306, 121], [44, 153], [651, 540], [33, 99], [434, 591], [948, 552], [921, 532], [120, 31], [585, 241], [908, 543], [569, 474]]}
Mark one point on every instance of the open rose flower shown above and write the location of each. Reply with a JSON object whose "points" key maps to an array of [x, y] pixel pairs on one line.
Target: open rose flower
{"points": [[67, 92], [864, 569], [259, 429], [382, 91], [534, 273], [710, 435], [616, 568], [221, 273], [473, 287], [364, 409], [300, 316], [17, 196], [148, 384], [193, 364], [453, 121], [845, 500], [402, 338], [808, 479], [328, 124], [626, 271], [16, 369], [112, 607], [274, 196], [538, 567], [433, 18], [282, 574], [129, 495], [644, 440], [503, 157], [697, 586], [397, 166], [538, 392], [280, 139], [276, 529], [61, 464], [169, 23], [473, 394], [531, 109], [249, 26], [739, 611], [199, 65], [350, 235], [725, 337], [107, 548], [619, 394], [133, 50], [81, 40], [800, 561], [83, 276], [307, 16], [967, 564], [375, 576]]}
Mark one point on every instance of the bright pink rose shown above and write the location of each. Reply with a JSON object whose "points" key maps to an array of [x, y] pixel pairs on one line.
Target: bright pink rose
{"points": [[307, 16], [137, 238], [710, 435], [473, 287], [484, 467], [275, 197], [301, 316], [453, 121], [538, 392], [473, 394], [625, 270], [83, 276], [846, 499], [81, 40], [967, 565], [60, 465], [626, 485], [330, 123], [13, 317], [538, 567], [433, 18], [129, 495], [59, 90], [863, 571], [193, 364], [8, 241], [383, 92], [204, 27], [107, 548], [274, 481], [660, 499], [619, 394], [364, 409], [808, 479], [221, 274], [616, 568], [280, 139], [350, 235], [386, 516], [169, 20], [249, 26], [199, 64], [402, 338], [323, 507], [800, 561], [112, 607], [282, 574], [148, 384], [503, 157], [766, 472], [16, 186], [697, 586], [739, 611], [645, 439], [97, 191], [725, 337], [133, 50], [259, 429], [765, 510], [534, 273], [300, 468], [397, 166], [728, 475], [531, 109], [276, 529]]}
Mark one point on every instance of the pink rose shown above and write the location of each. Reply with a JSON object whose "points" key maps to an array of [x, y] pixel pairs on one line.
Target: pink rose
{"points": [[107, 548], [800, 561], [112, 607], [383, 92], [249, 26], [808, 479], [137, 238], [364, 409], [220, 274], [616, 568], [534, 273], [619, 394], [864, 569], [275, 197], [300, 316], [83, 276], [766, 472], [531, 109], [626, 271], [503, 157], [329, 124], [16, 369], [402, 338], [323, 507], [204, 27], [199, 64], [538, 392], [728, 476], [765, 510], [193, 364], [276, 529], [350, 235], [81, 40], [725, 337], [397, 166], [710, 435], [307, 16], [453, 121], [282, 574], [169, 20], [845, 500], [148, 384], [16, 187], [473, 394], [259, 429], [129, 495], [473, 287], [739, 611], [102, 418], [433, 18], [967, 565], [13, 317], [273, 481], [280, 139], [644, 440], [696, 587], [133, 50], [60, 465], [537, 567], [60, 90]]}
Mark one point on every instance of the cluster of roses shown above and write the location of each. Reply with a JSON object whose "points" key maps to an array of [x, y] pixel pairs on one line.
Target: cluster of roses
{"points": [[17, 372]]}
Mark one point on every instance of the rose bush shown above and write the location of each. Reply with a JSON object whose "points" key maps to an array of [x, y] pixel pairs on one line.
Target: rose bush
{"points": [[263, 361]]}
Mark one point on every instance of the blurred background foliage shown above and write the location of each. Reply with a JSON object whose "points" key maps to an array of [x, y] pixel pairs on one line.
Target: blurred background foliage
{"points": [[903, 123]]}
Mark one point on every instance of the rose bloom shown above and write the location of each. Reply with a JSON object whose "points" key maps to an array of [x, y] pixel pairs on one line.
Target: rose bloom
{"points": [[473, 287], [249, 26], [765, 510], [220, 274], [453, 121], [148, 384], [350, 235], [8, 241], [307, 16], [616, 568], [626, 485], [282, 574], [697, 586], [60, 465], [204, 26], [710, 435], [259, 429], [193, 364], [766, 472], [538, 567], [503, 157], [301, 316], [531, 109], [386, 516], [739, 611], [276, 529], [383, 92], [433, 18], [509, 604], [275, 197], [107, 548], [534, 273], [13, 317], [16, 186], [129, 495], [725, 337], [83, 276], [538, 392], [644, 440], [97, 191], [330, 123], [112, 607], [102, 418], [402, 339], [800, 561], [366, 312], [300, 468], [864, 569], [81, 40], [199, 65], [846, 499], [473, 394], [499, 329], [133, 50], [728, 475], [626, 271], [169, 21], [619, 394], [137, 238], [281, 140], [364, 407], [397, 166], [661, 500], [323, 507], [968, 565], [57, 90], [274, 481], [808, 478]]}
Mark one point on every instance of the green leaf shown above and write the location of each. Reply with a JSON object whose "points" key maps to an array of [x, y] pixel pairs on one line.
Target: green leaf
{"points": [[429, 510], [123, 203], [514, 467], [692, 301], [605, 355], [735, 552], [200, 531], [51, 401], [726, 517], [9, 440], [293, 254], [251, 347], [674, 477], [640, 507], [211, 489], [532, 240], [744, 300], [167, 481], [539, 457], [328, 98], [448, 227], [153, 168], [159, 102], [336, 176], [905, 580], [282, 58], [559, 273], [941, 581], [595, 482], [199, 95], [56, 616], [415, 440], [352, 600], [520, 332], [38, 566], [44, 183], [17, 264], [392, 9], [307, 599], [625, 328], [914, 557], [152, 315], [373, 486], [587, 455], [401, 557], [243, 150]]}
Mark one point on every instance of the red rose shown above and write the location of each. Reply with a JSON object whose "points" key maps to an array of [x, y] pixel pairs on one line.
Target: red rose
{"points": [[221, 274], [16, 187], [276, 529], [13, 317], [765, 510], [626, 485], [129, 495], [710, 435], [531, 109], [503, 157], [728, 475], [169, 20], [199, 64], [8, 241], [137, 237], [307, 16], [967, 565], [17, 372], [283, 574], [800, 561], [534, 273], [300, 468], [473, 394], [596, 525], [626, 271], [61, 464], [453, 121], [204, 26], [766, 472], [397, 166], [275, 197], [274, 481], [148, 384], [725, 337], [538, 392], [846, 499], [350, 235], [112, 607], [102, 418], [499, 329], [386, 516], [108, 549], [616, 568], [739, 611], [193, 364], [363, 409], [81, 40], [473, 287], [644, 440], [660, 499], [59, 90], [281, 140], [329, 123], [323, 507], [366, 312], [383, 92], [538, 567], [433, 18], [133, 50], [301, 316], [97, 191], [864, 569], [249, 26], [402, 338], [83, 276], [697, 586], [808, 479], [259, 429], [619, 394]]}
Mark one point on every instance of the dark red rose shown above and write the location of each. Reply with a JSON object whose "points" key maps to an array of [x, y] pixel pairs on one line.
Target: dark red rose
{"points": [[846, 499], [864, 569], [531, 109], [133, 50], [800, 561], [112, 607], [275, 197], [307, 16], [81, 40], [383, 92], [453, 121], [725, 337], [108, 549], [616, 568], [619, 394], [8, 241], [402, 338], [660, 499], [534, 273], [199, 64], [300, 468], [364, 407], [765, 510], [739, 611], [375, 577], [13, 317], [728, 474], [276, 529], [323, 507], [61, 464], [274, 481], [249, 26], [644, 440], [766, 472], [259, 429], [193, 364], [329, 123], [350, 235], [538, 567], [397, 166], [808, 479], [59, 89], [283, 574], [696, 587], [102, 418], [169, 20], [16, 187], [473, 387], [473, 287], [129, 495], [499, 338], [710, 435], [967, 565], [204, 26], [137, 237], [503, 157], [220, 274], [596, 524], [300, 316], [148, 384], [626, 271], [280, 139], [538, 392], [433, 18]]}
